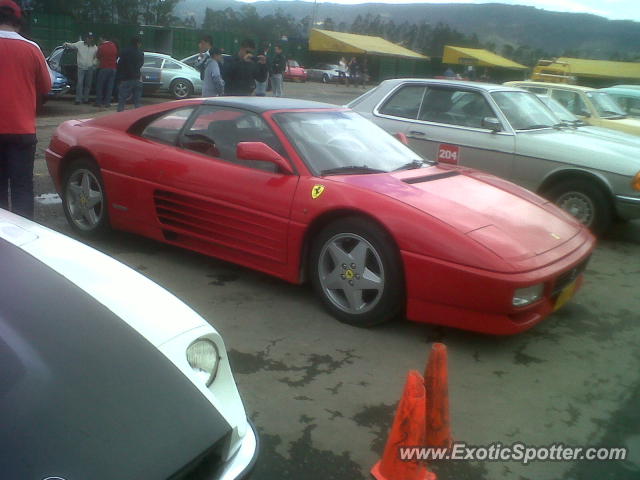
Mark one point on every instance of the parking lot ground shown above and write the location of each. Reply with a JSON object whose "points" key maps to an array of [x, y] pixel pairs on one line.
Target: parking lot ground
{"points": [[323, 394]]}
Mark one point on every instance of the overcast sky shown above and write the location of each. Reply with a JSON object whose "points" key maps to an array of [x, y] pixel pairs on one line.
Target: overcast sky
{"points": [[614, 9]]}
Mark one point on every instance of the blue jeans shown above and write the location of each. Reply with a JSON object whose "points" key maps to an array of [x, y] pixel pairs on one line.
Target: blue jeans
{"points": [[83, 87], [276, 83], [104, 88], [129, 88], [17, 154]]}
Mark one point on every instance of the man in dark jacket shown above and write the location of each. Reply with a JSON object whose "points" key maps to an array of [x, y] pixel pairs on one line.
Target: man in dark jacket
{"points": [[243, 70], [129, 65], [278, 67]]}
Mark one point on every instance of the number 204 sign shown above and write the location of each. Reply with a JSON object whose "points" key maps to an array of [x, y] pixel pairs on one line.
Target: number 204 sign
{"points": [[448, 153]]}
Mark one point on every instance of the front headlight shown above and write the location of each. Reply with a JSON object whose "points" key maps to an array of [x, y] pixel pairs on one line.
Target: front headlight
{"points": [[527, 295], [203, 357]]}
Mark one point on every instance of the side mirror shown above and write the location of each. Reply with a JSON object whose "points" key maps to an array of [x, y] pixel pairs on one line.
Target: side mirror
{"points": [[261, 152], [491, 123], [401, 137]]}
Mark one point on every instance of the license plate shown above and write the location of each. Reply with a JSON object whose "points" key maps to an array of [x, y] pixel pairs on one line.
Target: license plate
{"points": [[565, 295]]}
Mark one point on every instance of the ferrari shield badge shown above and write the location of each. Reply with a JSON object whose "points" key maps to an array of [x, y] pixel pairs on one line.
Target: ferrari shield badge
{"points": [[316, 191]]}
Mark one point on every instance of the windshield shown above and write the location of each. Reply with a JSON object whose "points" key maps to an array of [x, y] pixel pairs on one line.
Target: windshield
{"points": [[344, 142], [524, 110], [605, 105], [558, 109], [293, 63]]}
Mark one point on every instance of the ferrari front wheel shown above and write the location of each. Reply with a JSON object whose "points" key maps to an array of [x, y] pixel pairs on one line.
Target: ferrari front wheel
{"points": [[84, 199], [356, 271]]}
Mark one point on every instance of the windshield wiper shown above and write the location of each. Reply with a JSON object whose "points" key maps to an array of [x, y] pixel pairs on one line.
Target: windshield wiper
{"points": [[614, 115], [417, 163], [534, 127], [351, 170]]}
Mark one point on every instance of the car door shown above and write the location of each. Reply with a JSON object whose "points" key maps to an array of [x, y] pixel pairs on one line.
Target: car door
{"points": [[209, 200], [448, 124], [151, 72]]}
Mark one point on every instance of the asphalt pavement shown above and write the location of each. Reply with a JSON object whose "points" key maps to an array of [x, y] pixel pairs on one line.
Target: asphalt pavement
{"points": [[323, 394]]}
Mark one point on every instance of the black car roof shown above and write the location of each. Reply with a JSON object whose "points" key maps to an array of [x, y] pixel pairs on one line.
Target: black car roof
{"points": [[264, 104]]}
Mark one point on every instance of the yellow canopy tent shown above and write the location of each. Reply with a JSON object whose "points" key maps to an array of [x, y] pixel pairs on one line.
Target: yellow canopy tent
{"points": [[602, 69], [339, 42], [478, 58]]}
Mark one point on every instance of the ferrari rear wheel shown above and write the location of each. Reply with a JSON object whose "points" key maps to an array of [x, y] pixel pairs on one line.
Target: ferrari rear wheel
{"points": [[586, 201], [84, 200], [356, 271]]}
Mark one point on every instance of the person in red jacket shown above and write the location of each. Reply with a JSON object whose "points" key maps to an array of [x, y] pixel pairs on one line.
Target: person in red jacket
{"points": [[24, 79], [107, 55]]}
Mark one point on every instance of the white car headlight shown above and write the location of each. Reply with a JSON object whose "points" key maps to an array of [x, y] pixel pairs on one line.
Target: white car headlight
{"points": [[525, 296], [203, 357]]}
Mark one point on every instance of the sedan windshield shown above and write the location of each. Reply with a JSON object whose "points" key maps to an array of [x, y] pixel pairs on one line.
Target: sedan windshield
{"points": [[343, 142], [605, 105], [524, 110]]}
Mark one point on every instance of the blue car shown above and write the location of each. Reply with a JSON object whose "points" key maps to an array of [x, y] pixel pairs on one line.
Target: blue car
{"points": [[60, 85]]}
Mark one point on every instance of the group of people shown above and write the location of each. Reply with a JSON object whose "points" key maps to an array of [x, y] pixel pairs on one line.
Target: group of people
{"points": [[245, 73], [111, 64], [355, 72]]}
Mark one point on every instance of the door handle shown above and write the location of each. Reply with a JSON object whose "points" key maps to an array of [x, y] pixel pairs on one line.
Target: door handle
{"points": [[416, 133]]}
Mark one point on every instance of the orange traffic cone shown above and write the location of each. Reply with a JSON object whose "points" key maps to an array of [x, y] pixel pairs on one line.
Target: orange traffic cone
{"points": [[408, 430], [438, 427]]}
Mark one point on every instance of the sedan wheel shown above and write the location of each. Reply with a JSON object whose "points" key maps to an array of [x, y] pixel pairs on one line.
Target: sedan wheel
{"points": [[356, 272], [325, 78], [84, 200], [181, 89], [586, 202]]}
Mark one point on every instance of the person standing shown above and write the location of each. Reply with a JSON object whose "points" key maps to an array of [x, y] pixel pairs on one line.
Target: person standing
{"points": [[261, 86], [278, 67], [204, 46], [86, 61], [129, 65], [212, 83], [354, 69], [242, 71], [24, 80], [107, 55]]}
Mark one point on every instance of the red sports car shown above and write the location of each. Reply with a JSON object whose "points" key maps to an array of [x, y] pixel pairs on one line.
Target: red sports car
{"points": [[304, 190], [295, 72]]}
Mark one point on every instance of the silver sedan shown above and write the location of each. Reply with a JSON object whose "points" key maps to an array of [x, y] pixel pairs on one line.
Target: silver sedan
{"points": [[509, 132]]}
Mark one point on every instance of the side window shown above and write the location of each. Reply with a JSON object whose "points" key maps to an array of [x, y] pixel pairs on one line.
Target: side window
{"points": [[455, 107], [405, 102], [469, 109], [216, 132], [152, 62], [167, 128], [571, 101], [170, 65]]}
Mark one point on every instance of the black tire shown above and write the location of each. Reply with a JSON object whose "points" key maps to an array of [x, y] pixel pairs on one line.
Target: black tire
{"points": [[381, 260], [79, 217], [181, 89], [585, 200], [325, 78]]}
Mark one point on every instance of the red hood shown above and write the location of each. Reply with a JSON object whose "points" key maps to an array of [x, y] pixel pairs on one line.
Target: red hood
{"points": [[509, 221]]}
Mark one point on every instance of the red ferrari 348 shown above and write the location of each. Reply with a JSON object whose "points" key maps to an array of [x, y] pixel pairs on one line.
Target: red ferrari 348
{"points": [[304, 190]]}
